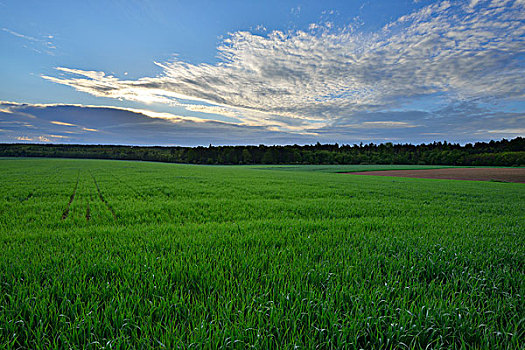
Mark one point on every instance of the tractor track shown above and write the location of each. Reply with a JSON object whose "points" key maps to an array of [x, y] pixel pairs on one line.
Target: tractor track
{"points": [[88, 212], [71, 199], [101, 196]]}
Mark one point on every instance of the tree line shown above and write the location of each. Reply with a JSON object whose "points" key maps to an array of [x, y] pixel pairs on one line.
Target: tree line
{"points": [[495, 153]]}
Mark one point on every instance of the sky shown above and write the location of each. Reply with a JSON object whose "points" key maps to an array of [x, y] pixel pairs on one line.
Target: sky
{"points": [[191, 73]]}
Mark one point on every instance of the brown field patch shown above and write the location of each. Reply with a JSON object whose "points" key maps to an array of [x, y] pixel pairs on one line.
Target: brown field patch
{"points": [[473, 174]]}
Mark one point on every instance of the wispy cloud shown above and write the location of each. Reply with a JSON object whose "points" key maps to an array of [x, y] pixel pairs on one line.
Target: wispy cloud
{"points": [[324, 74], [106, 124], [45, 43], [517, 131], [27, 37], [62, 123], [227, 112], [41, 138], [385, 125], [295, 11]]}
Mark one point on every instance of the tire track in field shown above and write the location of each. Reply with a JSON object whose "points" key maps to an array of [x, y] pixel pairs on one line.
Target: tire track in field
{"points": [[71, 199], [102, 198], [88, 210]]}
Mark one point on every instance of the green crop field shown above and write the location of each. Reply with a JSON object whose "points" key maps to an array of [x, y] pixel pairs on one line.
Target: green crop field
{"points": [[346, 168], [116, 254]]}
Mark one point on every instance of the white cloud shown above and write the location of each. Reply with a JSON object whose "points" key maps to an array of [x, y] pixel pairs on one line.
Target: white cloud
{"points": [[297, 79], [24, 138], [227, 112], [514, 132], [27, 37], [47, 138], [388, 124], [45, 42], [62, 123], [106, 124], [296, 10], [15, 107]]}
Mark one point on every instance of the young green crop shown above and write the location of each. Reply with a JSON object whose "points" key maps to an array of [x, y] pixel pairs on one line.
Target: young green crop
{"points": [[181, 256]]}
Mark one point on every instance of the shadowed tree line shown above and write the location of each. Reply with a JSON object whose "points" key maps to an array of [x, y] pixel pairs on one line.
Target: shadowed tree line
{"points": [[498, 153]]}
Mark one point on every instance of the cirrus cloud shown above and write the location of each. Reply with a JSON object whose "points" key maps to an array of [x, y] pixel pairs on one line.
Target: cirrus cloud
{"points": [[464, 51]]}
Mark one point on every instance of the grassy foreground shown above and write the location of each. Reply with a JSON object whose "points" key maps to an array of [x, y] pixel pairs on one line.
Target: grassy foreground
{"points": [[109, 254]]}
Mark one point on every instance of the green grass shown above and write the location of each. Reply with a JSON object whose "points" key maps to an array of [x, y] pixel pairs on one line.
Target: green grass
{"points": [[182, 256], [348, 168]]}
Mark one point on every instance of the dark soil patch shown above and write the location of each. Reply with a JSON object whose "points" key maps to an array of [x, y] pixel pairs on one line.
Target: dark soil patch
{"points": [[473, 174]]}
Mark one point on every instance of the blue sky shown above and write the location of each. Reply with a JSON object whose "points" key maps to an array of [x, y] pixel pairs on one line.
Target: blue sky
{"points": [[250, 72]]}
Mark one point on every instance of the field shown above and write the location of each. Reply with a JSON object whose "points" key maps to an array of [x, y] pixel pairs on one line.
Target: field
{"points": [[346, 168], [116, 254], [472, 174]]}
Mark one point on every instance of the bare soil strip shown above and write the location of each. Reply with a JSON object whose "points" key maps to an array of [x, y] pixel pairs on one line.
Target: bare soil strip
{"points": [[103, 199], [88, 213], [71, 199], [473, 174], [88, 209]]}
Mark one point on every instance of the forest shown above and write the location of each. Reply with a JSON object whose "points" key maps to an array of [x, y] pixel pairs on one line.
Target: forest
{"points": [[494, 153]]}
